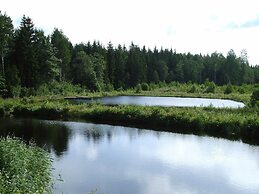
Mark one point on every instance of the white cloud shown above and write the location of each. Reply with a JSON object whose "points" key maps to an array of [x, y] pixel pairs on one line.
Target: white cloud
{"points": [[221, 156], [201, 26]]}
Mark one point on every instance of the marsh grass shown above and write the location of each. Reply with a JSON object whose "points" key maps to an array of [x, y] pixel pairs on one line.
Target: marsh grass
{"points": [[24, 168], [228, 123]]}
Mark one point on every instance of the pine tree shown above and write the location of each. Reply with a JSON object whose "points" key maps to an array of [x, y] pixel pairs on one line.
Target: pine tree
{"points": [[136, 66], [120, 67], [110, 63], [179, 74]]}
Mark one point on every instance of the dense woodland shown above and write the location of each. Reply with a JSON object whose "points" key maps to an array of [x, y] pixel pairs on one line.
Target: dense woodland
{"points": [[30, 59]]}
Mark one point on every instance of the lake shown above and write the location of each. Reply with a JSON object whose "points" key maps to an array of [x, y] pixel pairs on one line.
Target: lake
{"points": [[164, 101], [123, 160]]}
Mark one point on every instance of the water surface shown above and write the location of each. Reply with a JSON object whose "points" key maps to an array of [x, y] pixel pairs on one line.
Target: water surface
{"points": [[165, 101], [122, 160]]}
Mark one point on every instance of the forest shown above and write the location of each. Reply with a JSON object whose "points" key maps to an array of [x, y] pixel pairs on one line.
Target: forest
{"points": [[41, 76], [31, 59]]}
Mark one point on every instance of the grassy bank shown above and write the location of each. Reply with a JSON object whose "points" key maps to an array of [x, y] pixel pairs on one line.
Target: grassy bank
{"points": [[23, 168], [208, 89], [228, 123]]}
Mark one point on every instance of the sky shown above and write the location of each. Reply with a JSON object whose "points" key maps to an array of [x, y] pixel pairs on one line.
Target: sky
{"points": [[195, 26]]}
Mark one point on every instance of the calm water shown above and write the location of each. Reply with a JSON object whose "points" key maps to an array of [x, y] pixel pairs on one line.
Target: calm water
{"points": [[121, 160], [166, 101]]}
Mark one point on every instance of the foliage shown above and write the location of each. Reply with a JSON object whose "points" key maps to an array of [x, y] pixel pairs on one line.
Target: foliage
{"points": [[211, 87], [47, 62], [193, 89], [108, 87], [59, 88], [32, 60], [229, 123], [255, 98], [24, 53], [241, 90], [229, 89], [138, 88], [23, 168], [3, 90], [63, 47], [136, 66], [145, 87], [6, 35], [89, 70], [33, 56]]}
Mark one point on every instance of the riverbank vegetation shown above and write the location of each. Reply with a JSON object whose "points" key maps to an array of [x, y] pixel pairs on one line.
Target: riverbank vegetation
{"points": [[38, 71], [241, 93], [240, 123], [23, 168]]}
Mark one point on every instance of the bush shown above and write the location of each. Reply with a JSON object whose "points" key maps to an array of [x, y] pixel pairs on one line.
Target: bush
{"points": [[241, 90], [23, 168], [15, 91], [211, 87], [152, 86], [145, 87], [138, 88], [59, 88], [25, 92], [193, 89], [120, 89], [229, 89], [255, 98], [108, 87]]}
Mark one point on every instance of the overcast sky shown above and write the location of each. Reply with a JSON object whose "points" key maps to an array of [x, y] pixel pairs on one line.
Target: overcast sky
{"points": [[196, 26]]}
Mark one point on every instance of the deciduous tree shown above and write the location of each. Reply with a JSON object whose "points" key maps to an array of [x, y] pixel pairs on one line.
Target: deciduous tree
{"points": [[6, 35]]}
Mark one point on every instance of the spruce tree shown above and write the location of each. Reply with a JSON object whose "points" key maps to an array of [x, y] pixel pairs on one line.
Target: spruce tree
{"points": [[24, 54]]}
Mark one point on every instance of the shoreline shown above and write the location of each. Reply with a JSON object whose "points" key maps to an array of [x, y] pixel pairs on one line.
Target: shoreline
{"points": [[235, 124]]}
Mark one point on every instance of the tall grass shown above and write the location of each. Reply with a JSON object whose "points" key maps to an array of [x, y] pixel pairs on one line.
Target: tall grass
{"points": [[229, 123], [208, 89], [23, 168]]}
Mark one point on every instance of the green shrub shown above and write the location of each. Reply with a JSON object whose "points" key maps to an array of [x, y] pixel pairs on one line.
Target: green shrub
{"points": [[120, 89], [23, 168], [108, 87], [138, 88], [211, 87], [59, 88], [152, 86], [193, 89], [255, 98], [241, 90], [14, 91], [144, 86], [25, 92], [229, 89]]}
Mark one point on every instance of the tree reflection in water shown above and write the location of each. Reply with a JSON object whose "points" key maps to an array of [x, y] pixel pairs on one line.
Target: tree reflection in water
{"points": [[48, 135]]}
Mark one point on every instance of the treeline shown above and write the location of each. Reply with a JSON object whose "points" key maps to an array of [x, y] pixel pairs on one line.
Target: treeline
{"points": [[30, 59]]}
